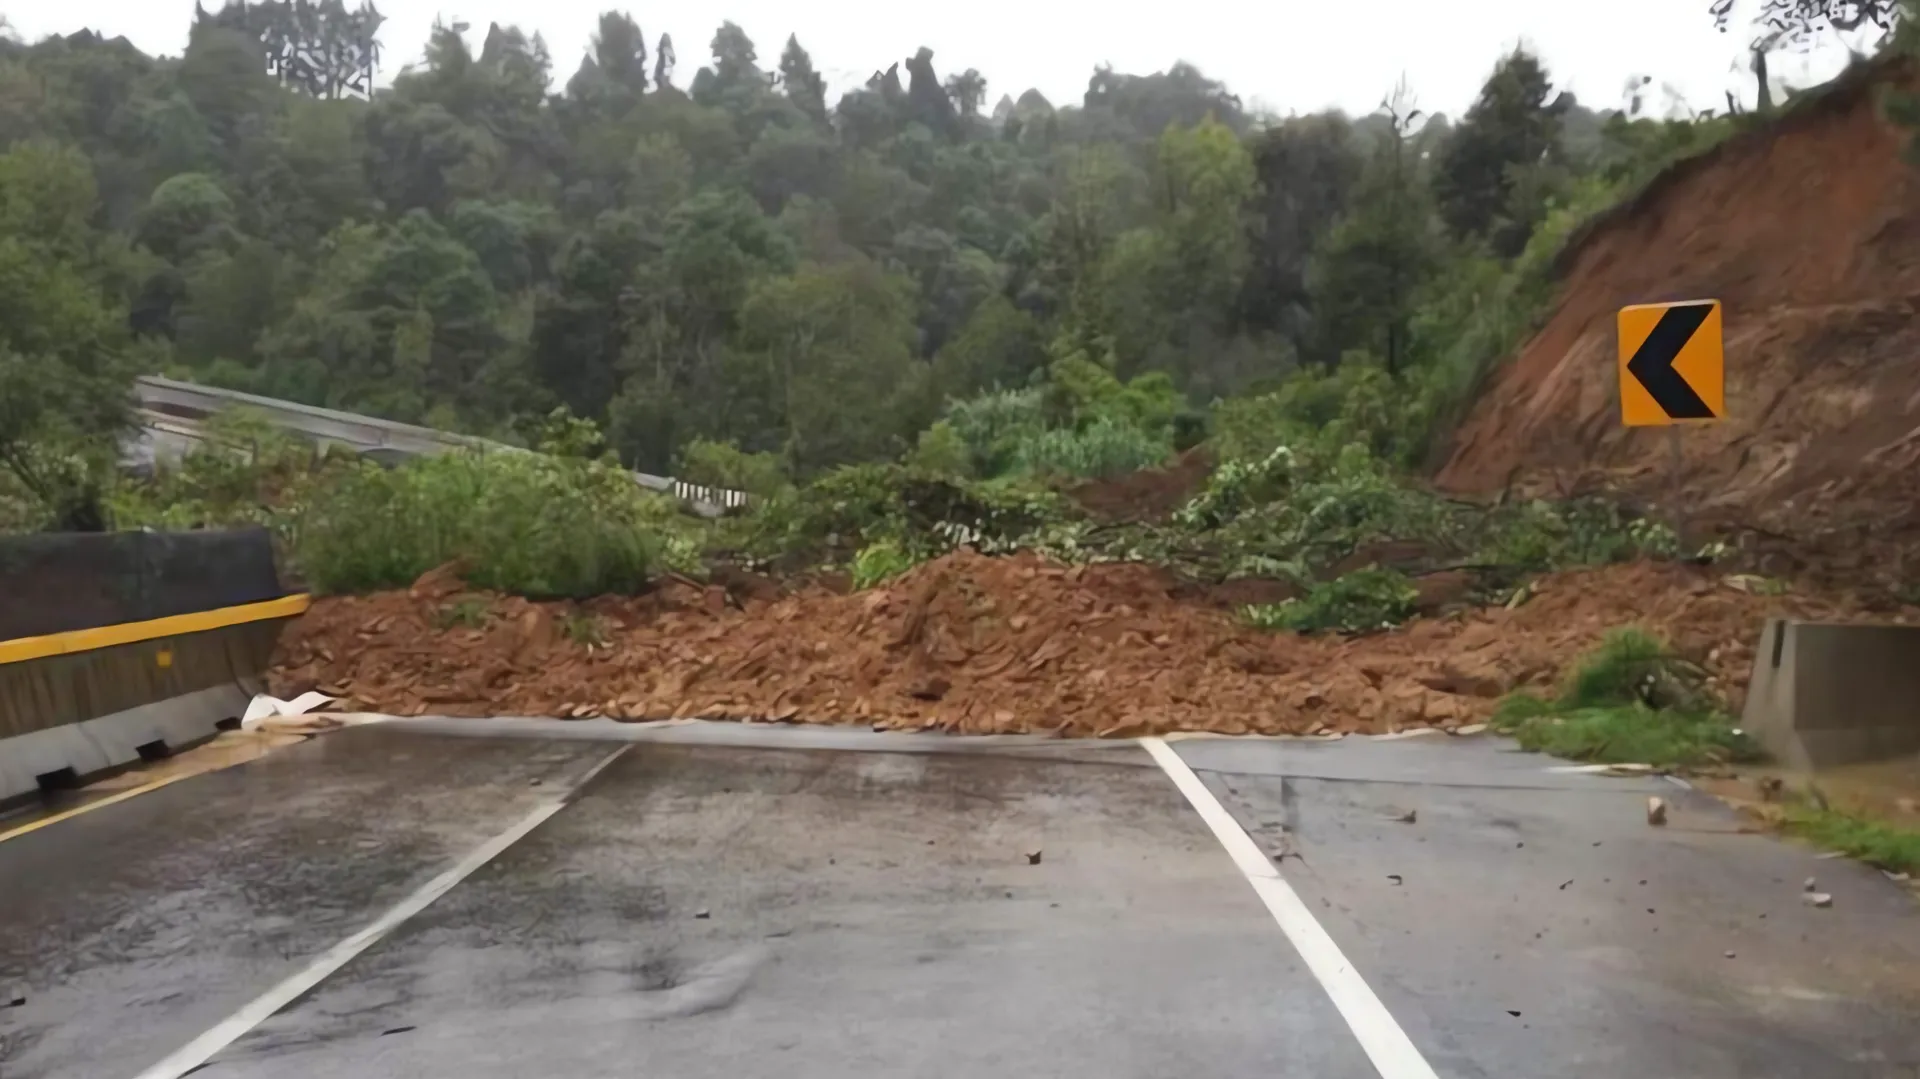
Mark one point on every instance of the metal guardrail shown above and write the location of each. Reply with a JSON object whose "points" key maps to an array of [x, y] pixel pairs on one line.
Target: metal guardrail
{"points": [[171, 411]]}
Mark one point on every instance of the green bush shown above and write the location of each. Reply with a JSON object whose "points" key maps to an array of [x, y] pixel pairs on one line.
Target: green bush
{"points": [[857, 505], [723, 464], [521, 522], [880, 562], [1358, 602], [993, 424], [1104, 448], [942, 451], [1354, 402]]}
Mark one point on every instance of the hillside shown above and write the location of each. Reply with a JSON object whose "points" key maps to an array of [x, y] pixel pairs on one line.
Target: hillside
{"points": [[1806, 229]]}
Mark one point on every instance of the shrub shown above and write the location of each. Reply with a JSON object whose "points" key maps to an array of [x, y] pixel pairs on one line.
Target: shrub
{"points": [[1104, 448], [723, 464], [942, 451], [880, 562], [520, 522], [1358, 602], [858, 505], [993, 424]]}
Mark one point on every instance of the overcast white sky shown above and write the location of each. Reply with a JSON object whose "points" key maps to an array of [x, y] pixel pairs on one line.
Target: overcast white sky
{"points": [[1283, 55]]}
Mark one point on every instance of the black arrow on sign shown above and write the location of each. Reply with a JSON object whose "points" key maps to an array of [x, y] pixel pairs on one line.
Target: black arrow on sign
{"points": [[1652, 362]]}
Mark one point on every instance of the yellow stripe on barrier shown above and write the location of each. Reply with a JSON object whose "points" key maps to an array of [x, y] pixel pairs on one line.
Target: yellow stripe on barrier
{"points": [[84, 640]]}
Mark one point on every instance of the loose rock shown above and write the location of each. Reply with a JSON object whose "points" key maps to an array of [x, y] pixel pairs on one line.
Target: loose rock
{"points": [[1033, 857], [1657, 811], [1817, 899]]}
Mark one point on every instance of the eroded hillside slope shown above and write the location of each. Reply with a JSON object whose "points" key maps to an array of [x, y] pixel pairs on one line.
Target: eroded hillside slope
{"points": [[1808, 230]]}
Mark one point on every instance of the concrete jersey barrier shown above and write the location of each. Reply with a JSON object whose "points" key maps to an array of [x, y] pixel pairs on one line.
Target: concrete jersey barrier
{"points": [[1826, 694]]}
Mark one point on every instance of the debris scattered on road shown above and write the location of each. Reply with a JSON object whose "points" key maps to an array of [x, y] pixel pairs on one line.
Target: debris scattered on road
{"points": [[703, 913], [1411, 816], [1656, 811], [1817, 899], [1810, 885], [1396, 878], [1513, 1013], [16, 998], [1564, 883], [1033, 857], [263, 707], [1730, 955], [534, 782]]}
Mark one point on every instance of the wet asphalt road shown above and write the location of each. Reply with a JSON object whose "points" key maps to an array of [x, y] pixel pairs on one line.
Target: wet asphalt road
{"points": [[842, 904]]}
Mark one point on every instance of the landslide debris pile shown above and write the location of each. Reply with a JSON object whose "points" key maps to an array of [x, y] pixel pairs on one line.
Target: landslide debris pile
{"points": [[1807, 228], [974, 644]]}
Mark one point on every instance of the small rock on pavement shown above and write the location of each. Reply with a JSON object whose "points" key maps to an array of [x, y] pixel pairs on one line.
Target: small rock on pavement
{"points": [[1817, 899], [1730, 955], [1656, 811], [534, 782], [703, 913], [1411, 816], [1810, 885], [15, 997], [1395, 878], [1033, 857]]}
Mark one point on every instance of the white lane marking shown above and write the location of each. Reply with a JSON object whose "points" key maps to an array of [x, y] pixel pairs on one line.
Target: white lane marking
{"points": [[1392, 1052], [261, 1008]]}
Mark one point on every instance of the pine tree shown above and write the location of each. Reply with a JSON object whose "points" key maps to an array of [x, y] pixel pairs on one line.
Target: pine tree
{"points": [[805, 88]]}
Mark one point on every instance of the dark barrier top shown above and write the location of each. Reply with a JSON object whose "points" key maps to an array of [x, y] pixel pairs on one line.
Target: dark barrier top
{"points": [[51, 582]]}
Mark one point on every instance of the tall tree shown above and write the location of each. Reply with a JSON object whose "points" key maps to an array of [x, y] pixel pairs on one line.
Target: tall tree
{"points": [[663, 61], [620, 52], [804, 86], [1366, 276], [967, 90], [1512, 126], [62, 340], [927, 101]]}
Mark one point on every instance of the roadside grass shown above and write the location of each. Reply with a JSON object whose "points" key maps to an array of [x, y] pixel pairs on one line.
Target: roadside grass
{"points": [[1630, 701], [1876, 843]]}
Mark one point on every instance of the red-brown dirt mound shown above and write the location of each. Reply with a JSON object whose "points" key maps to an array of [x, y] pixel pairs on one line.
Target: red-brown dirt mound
{"points": [[1151, 494], [975, 644], [1808, 230]]}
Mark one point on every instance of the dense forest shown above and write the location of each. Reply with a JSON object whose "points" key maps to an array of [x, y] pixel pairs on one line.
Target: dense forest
{"points": [[728, 259]]}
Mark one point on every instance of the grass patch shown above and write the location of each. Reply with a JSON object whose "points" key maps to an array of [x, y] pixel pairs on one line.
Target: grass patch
{"points": [[1631, 701], [1877, 844]]}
